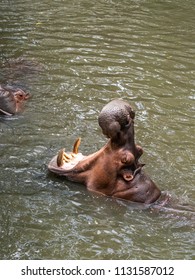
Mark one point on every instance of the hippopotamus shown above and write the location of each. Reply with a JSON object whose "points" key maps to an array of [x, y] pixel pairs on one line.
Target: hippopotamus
{"points": [[12, 100], [115, 169]]}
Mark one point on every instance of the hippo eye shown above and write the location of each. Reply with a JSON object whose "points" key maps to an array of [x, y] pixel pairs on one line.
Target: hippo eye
{"points": [[132, 114]]}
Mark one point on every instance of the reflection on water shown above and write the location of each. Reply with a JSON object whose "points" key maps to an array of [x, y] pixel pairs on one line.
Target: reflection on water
{"points": [[76, 56]]}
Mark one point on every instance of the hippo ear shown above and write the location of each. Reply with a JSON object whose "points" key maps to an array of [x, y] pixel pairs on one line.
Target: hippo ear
{"points": [[130, 111], [132, 114]]}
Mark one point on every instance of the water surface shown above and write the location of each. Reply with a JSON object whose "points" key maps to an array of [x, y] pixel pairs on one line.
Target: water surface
{"points": [[74, 57]]}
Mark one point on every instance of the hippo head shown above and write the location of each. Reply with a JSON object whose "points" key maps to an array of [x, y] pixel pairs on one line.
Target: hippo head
{"points": [[115, 169], [12, 100], [115, 119]]}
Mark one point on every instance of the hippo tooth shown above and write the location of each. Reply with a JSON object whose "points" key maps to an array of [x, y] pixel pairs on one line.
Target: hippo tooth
{"points": [[76, 146], [67, 156], [60, 158]]}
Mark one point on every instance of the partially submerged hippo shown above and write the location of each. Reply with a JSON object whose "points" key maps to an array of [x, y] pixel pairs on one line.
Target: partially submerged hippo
{"points": [[12, 100], [114, 170]]}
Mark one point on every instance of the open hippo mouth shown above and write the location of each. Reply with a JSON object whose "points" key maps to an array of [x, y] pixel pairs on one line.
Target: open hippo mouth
{"points": [[71, 163], [115, 169], [65, 163]]}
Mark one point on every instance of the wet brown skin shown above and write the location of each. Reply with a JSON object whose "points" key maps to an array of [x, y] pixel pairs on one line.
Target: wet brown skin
{"points": [[113, 171], [105, 172], [12, 100]]}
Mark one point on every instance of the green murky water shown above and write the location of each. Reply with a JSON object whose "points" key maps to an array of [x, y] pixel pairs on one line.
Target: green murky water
{"points": [[75, 56]]}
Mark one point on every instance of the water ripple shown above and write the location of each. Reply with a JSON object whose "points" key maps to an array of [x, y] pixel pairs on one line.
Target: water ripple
{"points": [[74, 57]]}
